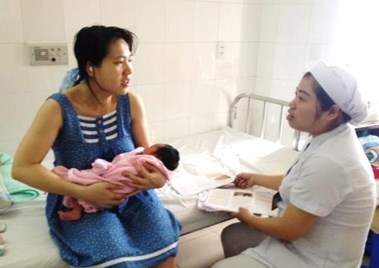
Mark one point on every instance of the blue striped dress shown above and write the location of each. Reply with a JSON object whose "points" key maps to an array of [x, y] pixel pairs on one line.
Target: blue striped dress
{"points": [[140, 232]]}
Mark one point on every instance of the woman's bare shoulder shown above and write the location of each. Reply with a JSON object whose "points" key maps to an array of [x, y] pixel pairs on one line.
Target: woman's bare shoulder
{"points": [[50, 110], [135, 100], [134, 97], [51, 105]]}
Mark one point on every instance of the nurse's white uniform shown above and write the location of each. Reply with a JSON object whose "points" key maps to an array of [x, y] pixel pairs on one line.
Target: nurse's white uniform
{"points": [[333, 180]]}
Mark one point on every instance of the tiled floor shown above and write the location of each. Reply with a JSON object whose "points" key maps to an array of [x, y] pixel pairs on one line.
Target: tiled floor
{"points": [[201, 249]]}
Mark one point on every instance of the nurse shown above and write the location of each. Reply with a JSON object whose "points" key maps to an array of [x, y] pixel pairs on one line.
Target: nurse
{"points": [[327, 198]]}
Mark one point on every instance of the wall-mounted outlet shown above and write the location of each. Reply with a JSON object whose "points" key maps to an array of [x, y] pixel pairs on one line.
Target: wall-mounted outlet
{"points": [[48, 54]]}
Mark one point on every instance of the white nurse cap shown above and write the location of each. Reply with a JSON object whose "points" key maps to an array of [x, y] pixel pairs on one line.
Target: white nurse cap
{"points": [[341, 87]]}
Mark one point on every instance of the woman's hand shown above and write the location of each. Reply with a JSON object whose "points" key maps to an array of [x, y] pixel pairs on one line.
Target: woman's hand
{"points": [[244, 180], [148, 177], [102, 195], [243, 215]]}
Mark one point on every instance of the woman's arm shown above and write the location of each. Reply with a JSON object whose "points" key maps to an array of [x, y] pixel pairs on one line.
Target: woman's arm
{"points": [[294, 223], [245, 180], [148, 176], [139, 125], [32, 150]]}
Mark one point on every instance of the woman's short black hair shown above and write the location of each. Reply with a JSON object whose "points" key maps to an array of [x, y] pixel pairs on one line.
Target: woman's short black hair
{"points": [[323, 98], [92, 45]]}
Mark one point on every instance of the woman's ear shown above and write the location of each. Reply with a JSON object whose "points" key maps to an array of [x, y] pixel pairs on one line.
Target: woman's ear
{"points": [[89, 69], [334, 112]]}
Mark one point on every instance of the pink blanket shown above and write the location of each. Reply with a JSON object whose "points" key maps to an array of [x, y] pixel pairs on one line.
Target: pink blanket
{"points": [[110, 172]]}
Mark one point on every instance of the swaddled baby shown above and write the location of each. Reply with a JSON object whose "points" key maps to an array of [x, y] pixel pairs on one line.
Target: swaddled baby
{"points": [[162, 156]]}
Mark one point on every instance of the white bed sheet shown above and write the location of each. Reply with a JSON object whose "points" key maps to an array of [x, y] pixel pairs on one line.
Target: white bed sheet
{"points": [[27, 239], [226, 150]]}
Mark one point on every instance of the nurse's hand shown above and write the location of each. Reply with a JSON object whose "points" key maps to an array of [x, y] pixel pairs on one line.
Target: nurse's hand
{"points": [[148, 177], [101, 194], [244, 215], [244, 180]]}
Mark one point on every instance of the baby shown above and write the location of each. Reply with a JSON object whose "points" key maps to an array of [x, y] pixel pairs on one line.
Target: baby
{"points": [[162, 156]]}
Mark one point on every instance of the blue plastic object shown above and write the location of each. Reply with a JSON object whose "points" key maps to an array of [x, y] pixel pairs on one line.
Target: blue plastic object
{"points": [[372, 249]]}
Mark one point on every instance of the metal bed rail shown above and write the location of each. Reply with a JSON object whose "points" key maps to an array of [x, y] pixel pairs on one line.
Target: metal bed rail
{"points": [[265, 100]]}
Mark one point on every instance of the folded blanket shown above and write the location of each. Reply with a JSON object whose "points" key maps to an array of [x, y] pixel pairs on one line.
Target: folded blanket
{"points": [[17, 190]]}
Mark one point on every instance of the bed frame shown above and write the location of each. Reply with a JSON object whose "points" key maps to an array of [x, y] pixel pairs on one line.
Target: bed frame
{"points": [[253, 98]]}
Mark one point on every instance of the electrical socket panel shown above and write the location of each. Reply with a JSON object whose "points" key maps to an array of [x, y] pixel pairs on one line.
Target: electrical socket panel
{"points": [[48, 54]]}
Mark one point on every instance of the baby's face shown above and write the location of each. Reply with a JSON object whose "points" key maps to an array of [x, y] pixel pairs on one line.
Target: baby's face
{"points": [[153, 149]]}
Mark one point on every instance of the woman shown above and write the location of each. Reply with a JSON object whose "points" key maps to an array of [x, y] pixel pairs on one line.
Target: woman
{"points": [[99, 118], [327, 197]]}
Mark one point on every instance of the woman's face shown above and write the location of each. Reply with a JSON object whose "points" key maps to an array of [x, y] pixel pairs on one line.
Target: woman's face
{"points": [[304, 113], [113, 74]]}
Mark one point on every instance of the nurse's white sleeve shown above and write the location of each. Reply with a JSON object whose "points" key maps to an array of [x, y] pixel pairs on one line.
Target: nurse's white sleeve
{"points": [[321, 186]]}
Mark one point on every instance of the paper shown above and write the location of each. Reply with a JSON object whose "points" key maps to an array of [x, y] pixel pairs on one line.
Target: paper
{"points": [[186, 184], [256, 200]]}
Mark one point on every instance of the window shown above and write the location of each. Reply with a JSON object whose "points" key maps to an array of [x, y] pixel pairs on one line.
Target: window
{"points": [[357, 44]]}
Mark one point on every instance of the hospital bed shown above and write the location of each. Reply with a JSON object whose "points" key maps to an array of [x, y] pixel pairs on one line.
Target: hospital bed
{"points": [[242, 146]]}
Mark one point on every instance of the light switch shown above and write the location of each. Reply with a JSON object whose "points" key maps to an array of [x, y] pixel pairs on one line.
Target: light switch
{"points": [[48, 54]]}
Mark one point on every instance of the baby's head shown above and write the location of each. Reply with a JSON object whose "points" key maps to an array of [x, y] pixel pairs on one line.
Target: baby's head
{"points": [[166, 153]]}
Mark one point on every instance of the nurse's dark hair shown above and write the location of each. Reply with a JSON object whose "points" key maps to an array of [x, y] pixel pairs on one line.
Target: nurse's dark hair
{"points": [[92, 44], [323, 98]]}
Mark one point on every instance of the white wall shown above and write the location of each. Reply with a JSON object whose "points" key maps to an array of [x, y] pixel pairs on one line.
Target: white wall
{"points": [[294, 35], [185, 88]]}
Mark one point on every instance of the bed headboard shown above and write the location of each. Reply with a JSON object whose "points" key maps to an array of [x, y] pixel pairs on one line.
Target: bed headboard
{"points": [[265, 111]]}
